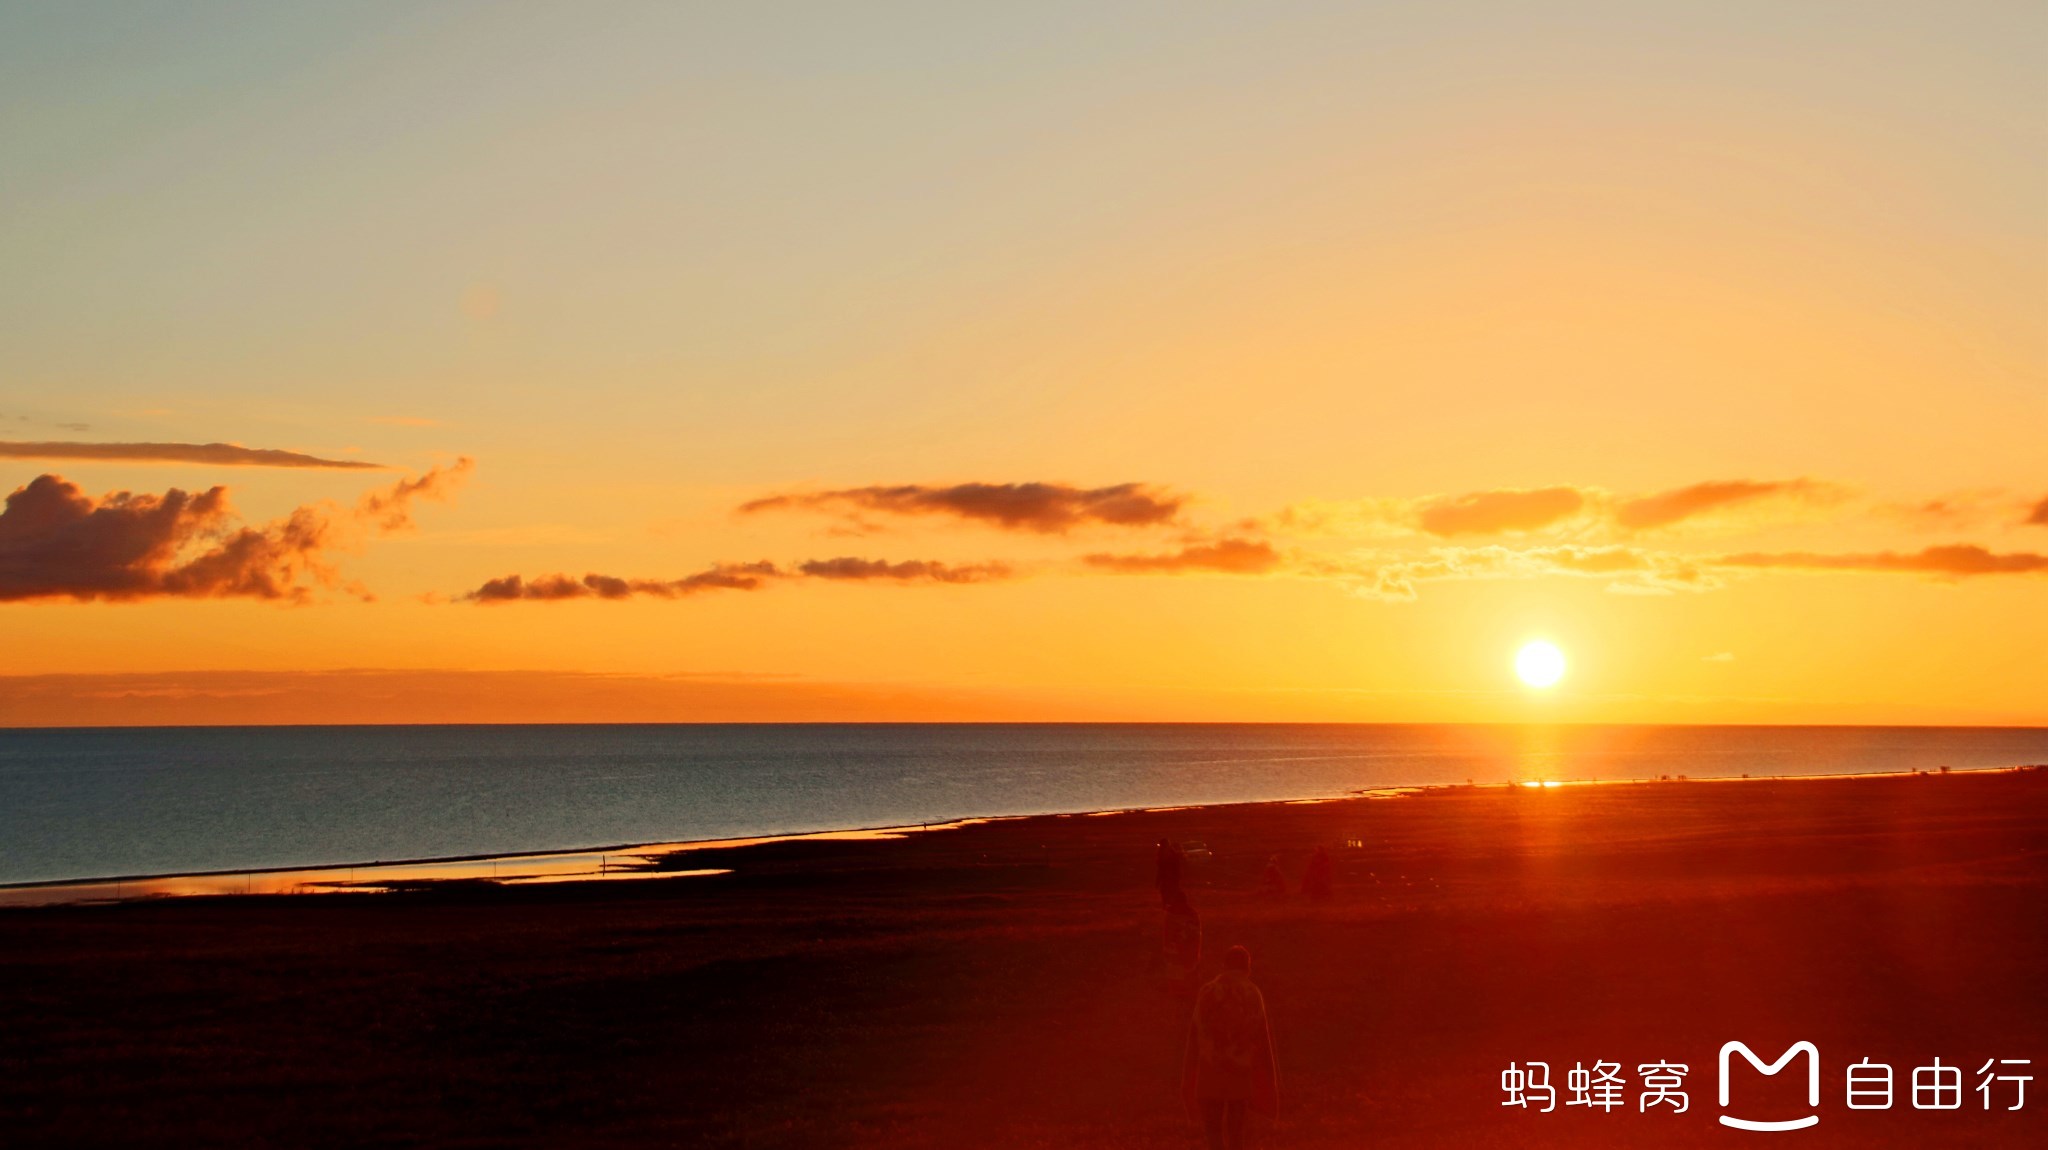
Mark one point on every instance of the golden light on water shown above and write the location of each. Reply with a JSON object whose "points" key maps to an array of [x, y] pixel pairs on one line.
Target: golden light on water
{"points": [[1539, 663]]}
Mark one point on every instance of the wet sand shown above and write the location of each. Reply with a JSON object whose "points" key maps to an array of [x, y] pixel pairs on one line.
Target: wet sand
{"points": [[994, 984]]}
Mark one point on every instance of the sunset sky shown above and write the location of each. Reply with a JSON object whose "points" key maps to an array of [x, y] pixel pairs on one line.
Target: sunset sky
{"points": [[1041, 361]]}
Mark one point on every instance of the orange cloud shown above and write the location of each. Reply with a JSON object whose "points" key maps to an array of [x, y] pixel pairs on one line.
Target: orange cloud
{"points": [[1632, 570], [2039, 516], [1667, 507], [1636, 571], [1584, 509], [1494, 512], [1048, 508], [1956, 561], [58, 542], [217, 454], [1229, 556], [392, 510]]}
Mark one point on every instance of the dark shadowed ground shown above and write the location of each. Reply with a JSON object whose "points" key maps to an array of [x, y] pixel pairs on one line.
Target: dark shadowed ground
{"points": [[993, 985]]}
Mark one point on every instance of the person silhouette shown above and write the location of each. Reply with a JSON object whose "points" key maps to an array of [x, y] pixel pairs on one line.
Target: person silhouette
{"points": [[1166, 867], [1316, 881], [1181, 942], [1228, 1065], [1274, 881]]}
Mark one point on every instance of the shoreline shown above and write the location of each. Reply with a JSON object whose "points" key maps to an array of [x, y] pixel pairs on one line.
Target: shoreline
{"points": [[530, 866]]}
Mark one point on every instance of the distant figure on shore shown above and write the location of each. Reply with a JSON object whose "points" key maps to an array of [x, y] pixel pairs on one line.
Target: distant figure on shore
{"points": [[1166, 868], [1228, 1067], [1317, 880], [1181, 942], [1274, 881]]}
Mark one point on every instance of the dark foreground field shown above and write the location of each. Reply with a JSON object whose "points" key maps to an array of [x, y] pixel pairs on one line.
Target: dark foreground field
{"points": [[993, 985]]}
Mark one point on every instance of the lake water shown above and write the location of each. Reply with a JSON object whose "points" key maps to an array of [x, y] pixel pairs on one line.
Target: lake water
{"points": [[87, 803]]}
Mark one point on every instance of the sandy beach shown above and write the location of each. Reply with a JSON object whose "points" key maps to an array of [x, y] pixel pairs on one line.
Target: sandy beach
{"points": [[995, 984]]}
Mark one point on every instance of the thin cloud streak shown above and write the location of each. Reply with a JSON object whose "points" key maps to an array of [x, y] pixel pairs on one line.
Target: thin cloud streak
{"points": [[1959, 560], [730, 577], [1666, 508], [215, 454], [555, 588], [908, 571], [1045, 508], [1225, 556]]}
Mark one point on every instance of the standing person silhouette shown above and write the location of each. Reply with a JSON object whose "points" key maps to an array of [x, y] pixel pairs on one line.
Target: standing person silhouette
{"points": [[1166, 865], [1228, 1067], [1316, 881], [1180, 941], [1274, 880]]}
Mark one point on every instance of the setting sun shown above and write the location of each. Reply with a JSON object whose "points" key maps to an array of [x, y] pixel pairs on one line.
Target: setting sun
{"points": [[1539, 664]]}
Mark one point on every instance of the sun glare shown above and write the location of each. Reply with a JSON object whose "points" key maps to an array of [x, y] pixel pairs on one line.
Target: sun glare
{"points": [[1539, 664]]}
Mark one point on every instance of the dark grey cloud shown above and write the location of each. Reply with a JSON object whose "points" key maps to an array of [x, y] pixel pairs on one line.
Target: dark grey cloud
{"points": [[1047, 508], [56, 541], [730, 577]]}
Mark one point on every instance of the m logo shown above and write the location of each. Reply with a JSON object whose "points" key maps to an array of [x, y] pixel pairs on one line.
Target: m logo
{"points": [[1812, 1084]]}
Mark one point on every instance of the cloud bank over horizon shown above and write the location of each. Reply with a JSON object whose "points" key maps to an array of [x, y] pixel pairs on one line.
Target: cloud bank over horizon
{"points": [[1593, 534], [58, 543]]}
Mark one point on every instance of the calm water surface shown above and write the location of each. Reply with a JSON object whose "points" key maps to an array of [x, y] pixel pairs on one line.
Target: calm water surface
{"points": [[79, 803]]}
